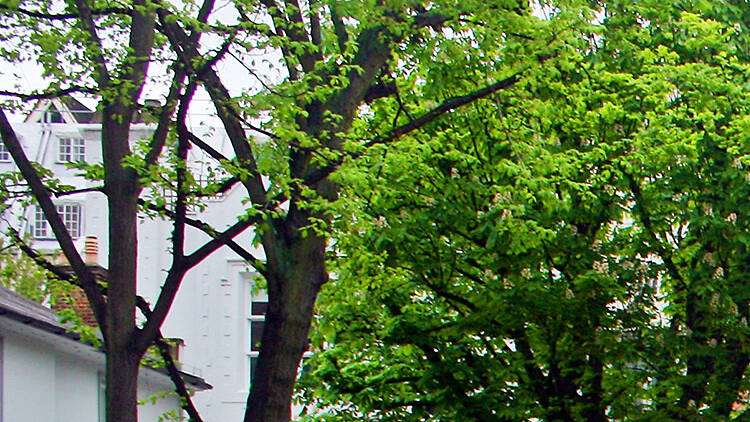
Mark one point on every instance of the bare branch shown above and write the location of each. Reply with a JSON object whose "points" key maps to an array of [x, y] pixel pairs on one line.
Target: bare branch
{"points": [[39, 259], [216, 155], [178, 234], [169, 289], [187, 53], [100, 62], [260, 80], [64, 16], [203, 13], [159, 138], [60, 194], [49, 94], [446, 106]]}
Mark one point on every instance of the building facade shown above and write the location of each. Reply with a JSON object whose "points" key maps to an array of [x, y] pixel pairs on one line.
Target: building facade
{"points": [[48, 374], [217, 311]]}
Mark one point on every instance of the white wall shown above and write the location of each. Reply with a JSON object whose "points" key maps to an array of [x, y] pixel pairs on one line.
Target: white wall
{"points": [[29, 382], [50, 378], [76, 390]]}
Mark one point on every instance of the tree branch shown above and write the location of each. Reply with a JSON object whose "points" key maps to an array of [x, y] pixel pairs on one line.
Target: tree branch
{"points": [[49, 94], [59, 194], [187, 52], [315, 31], [339, 27], [64, 16], [172, 370], [179, 267], [216, 155], [159, 138], [100, 62], [446, 106]]}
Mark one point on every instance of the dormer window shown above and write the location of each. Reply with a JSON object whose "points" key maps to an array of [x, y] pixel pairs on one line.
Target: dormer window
{"points": [[72, 150], [52, 116]]}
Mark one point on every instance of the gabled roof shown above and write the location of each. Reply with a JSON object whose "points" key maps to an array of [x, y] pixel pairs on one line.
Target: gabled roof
{"points": [[62, 110], [69, 110], [19, 308], [30, 313]]}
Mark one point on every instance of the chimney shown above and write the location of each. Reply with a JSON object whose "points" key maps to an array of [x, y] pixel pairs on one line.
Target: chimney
{"points": [[175, 347], [76, 298], [148, 112], [91, 250]]}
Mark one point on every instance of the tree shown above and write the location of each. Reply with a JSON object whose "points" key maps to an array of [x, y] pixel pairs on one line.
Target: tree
{"points": [[74, 55], [22, 275], [573, 250], [356, 76]]}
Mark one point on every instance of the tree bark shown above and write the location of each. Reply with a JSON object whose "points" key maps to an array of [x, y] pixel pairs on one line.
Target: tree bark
{"points": [[122, 385], [120, 184], [296, 273]]}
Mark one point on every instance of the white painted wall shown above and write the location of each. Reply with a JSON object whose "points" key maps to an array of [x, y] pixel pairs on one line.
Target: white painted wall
{"points": [[46, 377], [76, 389], [29, 381]]}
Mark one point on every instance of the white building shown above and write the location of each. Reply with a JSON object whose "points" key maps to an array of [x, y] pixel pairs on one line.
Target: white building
{"points": [[47, 374], [213, 310]]}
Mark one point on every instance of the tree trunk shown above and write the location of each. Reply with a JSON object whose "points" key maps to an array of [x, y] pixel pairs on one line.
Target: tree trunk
{"points": [[122, 359], [296, 273], [122, 386], [120, 328]]}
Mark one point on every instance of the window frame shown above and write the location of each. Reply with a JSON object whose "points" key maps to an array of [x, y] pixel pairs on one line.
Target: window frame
{"points": [[254, 319], [70, 212], [71, 149], [4, 154]]}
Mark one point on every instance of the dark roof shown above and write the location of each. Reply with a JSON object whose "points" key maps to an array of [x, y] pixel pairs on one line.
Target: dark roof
{"points": [[82, 113], [28, 312]]}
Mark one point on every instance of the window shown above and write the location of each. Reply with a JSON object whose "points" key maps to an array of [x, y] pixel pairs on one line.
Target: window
{"points": [[72, 149], [70, 214], [258, 308], [4, 154], [39, 229], [257, 319], [101, 397]]}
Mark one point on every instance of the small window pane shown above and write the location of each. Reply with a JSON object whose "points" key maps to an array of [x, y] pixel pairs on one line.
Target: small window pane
{"points": [[256, 335], [259, 308], [4, 154], [70, 215]]}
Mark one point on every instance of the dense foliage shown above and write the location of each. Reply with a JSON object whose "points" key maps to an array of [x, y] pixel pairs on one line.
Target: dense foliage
{"points": [[337, 81], [572, 248], [22, 275]]}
